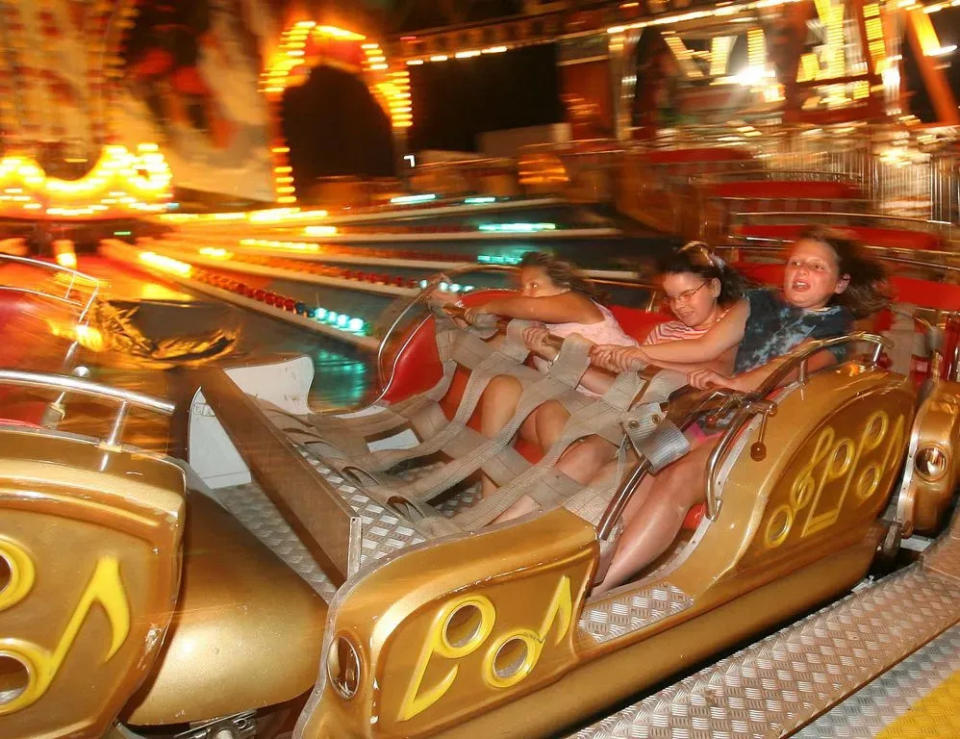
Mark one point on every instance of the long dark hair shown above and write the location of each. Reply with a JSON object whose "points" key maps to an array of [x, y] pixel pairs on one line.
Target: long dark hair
{"points": [[695, 257], [868, 290], [562, 273]]}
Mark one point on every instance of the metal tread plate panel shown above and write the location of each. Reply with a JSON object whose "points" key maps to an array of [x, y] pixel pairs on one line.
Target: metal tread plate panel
{"points": [[615, 616], [894, 696], [382, 531], [780, 683], [252, 508]]}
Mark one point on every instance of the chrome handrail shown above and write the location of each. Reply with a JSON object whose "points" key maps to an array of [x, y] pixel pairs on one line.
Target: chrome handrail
{"points": [[69, 383], [750, 404], [771, 174], [778, 215], [74, 276]]}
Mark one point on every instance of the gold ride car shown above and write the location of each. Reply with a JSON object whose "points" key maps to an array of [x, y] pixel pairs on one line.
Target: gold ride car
{"points": [[139, 596]]}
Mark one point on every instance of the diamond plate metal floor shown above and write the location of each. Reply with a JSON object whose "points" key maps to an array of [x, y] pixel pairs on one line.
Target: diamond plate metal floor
{"points": [[774, 687], [920, 697]]}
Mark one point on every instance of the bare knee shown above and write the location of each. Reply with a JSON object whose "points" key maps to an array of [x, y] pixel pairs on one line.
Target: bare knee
{"points": [[498, 403], [550, 419], [583, 460]]}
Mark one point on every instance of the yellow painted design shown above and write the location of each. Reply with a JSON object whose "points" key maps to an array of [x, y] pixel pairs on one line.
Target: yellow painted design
{"points": [[934, 716], [22, 573], [437, 642], [856, 465], [106, 588], [559, 611]]}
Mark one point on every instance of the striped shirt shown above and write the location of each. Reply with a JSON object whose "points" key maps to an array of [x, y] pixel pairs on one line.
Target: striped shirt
{"points": [[672, 331]]}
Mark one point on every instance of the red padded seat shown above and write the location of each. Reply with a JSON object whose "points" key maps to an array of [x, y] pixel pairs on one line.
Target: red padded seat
{"points": [[892, 238], [694, 516], [637, 323], [417, 367], [785, 190]]}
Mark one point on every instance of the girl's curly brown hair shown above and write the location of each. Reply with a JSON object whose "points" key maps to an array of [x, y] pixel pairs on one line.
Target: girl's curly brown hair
{"points": [[563, 274], [867, 290]]}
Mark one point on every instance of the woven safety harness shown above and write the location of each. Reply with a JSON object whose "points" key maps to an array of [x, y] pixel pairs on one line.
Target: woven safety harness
{"points": [[630, 409]]}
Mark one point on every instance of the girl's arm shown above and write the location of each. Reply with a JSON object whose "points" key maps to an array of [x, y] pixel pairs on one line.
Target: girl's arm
{"points": [[749, 381], [723, 335], [595, 379], [568, 307]]}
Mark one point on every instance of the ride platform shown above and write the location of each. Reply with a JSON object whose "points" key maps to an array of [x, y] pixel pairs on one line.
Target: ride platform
{"points": [[882, 662]]}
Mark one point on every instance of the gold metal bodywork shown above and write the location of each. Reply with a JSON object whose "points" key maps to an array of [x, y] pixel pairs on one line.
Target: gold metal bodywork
{"points": [[467, 635], [246, 633], [464, 648], [90, 539], [923, 499]]}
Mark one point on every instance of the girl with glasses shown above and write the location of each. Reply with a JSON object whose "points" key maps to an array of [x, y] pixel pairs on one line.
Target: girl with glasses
{"points": [[700, 289]]}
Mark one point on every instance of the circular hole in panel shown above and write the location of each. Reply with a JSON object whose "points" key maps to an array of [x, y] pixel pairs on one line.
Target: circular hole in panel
{"points": [[343, 667], [779, 526], [5, 573], [510, 658], [462, 626], [13, 678]]}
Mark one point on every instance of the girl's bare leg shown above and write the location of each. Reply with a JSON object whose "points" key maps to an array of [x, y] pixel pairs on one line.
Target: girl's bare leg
{"points": [[497, 406], [550, 419], [584, 462], [657, 520], [587, 458]]}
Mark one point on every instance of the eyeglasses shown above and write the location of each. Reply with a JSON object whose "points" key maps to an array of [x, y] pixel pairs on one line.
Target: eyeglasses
{"points": [[686, 295]]}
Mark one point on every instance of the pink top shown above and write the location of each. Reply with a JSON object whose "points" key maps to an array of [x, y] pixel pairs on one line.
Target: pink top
{"points": [[607, 331]]}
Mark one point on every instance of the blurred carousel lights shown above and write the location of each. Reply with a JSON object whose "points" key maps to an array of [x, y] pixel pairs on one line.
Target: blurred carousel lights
{"points": [[303, 46], [334, 319], [120, 182]]}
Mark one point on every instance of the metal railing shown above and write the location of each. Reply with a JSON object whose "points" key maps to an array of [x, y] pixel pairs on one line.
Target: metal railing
{"points": [[68, 384], [73, 292]]}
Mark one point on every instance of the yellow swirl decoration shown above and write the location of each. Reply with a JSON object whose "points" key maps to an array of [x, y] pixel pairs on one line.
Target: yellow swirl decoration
{"points": [[22, 573], [106, 588], [559, 611], [842, 461]]}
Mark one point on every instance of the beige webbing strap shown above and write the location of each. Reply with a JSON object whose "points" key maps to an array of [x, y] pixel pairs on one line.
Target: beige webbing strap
{"points": [[591, 502], [343, 435], [573, 354], [588, 420], [553, 489], [664, 445], [450, 341], [502, 361], [505, 466]]}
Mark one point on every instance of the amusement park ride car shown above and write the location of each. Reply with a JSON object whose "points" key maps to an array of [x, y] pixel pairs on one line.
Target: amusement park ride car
{"points": [[139, 598]]}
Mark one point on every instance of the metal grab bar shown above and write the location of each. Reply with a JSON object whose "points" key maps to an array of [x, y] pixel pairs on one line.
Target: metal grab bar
{"points": [[67, 383], [753, 403], [682, 412], [74, 276]]}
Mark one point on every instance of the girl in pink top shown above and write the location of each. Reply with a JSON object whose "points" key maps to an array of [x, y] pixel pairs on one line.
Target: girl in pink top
{"points": [[552, 293]]}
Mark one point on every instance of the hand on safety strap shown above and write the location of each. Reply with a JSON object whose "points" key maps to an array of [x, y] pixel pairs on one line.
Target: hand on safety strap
{"points": [[617, 358], [537, 338]]}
